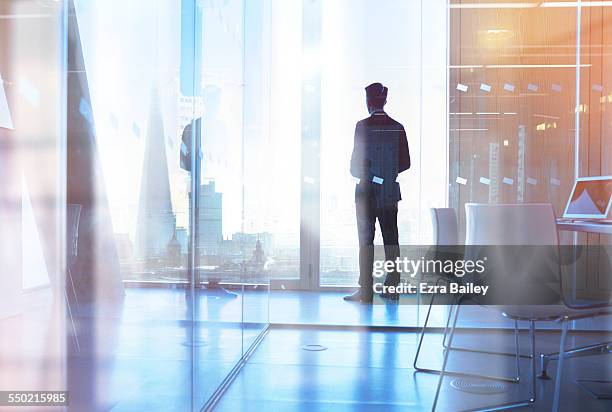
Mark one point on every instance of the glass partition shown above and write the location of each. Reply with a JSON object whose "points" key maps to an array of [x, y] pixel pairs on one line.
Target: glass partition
{"points": [[132, 270], [138, 250], [35, 321], [219, 246]]}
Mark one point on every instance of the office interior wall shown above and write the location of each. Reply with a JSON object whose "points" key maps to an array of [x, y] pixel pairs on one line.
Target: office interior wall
{"points": [[596, 92], [595, 133], [518, 103], [511, 105]]}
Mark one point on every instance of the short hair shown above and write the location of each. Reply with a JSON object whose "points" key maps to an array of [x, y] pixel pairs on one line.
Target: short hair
{"points": [[376, 94]]}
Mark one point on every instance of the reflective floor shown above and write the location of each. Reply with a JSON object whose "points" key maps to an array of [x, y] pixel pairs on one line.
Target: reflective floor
{"points": [[328, 308], [141, 354], [138, 356], [372, 371]]}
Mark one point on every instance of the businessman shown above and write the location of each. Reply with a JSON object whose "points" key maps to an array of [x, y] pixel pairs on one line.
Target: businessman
{"points": [[380, 153]]}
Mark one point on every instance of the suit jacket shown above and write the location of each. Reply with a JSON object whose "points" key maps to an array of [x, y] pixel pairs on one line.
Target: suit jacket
{"points": [[186, 149], [380, 153]]}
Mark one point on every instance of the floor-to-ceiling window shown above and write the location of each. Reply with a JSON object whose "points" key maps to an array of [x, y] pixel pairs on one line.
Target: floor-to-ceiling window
{"points": [[389, 42], [275, 153]]}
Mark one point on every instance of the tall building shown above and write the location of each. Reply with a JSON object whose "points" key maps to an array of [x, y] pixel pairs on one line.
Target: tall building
{"points": [[210, 229], [156, 221]]}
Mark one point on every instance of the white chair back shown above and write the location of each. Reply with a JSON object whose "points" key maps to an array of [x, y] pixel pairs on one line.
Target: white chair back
{"points": [[444, 222], [510, 224], [527, 270]]}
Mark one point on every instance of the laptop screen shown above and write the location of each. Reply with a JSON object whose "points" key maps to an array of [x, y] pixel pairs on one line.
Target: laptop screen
{"points": [[590, 198]]}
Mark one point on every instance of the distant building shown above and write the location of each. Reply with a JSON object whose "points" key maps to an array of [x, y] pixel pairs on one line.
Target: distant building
{"points": [[173, 251], [182, 235], [210, 220], [242, 245], [156, 220]]}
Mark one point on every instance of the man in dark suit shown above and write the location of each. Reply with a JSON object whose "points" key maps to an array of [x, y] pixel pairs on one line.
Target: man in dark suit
{"points": [[380, 153]]}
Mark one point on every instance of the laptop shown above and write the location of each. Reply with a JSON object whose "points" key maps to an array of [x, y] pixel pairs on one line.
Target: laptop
{"points": [[591, 199]]}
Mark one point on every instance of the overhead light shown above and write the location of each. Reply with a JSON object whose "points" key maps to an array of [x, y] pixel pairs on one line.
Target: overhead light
{"points": [[487, 113], [517, 66], [549, 4], [576, 3], [493, 5], [582, 108], [534, 66], [545, 126], [466, 66], [497, 34]]}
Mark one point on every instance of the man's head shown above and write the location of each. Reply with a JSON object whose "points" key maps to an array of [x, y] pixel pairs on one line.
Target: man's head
{"points": [[376, 97]]}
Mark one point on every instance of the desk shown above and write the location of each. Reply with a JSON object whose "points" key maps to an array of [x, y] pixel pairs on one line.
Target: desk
{"points": [[581, 226], [599, 348], [584, 226]]}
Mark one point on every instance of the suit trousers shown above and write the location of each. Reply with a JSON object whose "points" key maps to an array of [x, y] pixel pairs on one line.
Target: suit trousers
{"points": [[367, 214]]}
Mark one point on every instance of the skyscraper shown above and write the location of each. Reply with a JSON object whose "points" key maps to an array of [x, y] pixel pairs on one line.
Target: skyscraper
{"points": [[210, 220], [156, 221]]}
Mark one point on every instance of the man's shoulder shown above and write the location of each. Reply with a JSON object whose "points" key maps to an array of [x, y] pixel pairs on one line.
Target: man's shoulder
{"points": [[394, 122], [376, 120], [363, 122]]}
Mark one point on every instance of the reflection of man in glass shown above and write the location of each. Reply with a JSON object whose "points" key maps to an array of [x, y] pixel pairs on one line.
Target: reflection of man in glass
{"points": [[380, 153], [214, 145]]}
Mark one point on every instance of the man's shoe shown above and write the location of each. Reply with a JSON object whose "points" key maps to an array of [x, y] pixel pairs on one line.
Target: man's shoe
{"points": [[392, 279], [392, 297], [359, 296]]}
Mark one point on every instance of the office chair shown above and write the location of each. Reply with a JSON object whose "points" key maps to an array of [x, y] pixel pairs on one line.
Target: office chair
{"points": [[527, 225], [445, 233]]}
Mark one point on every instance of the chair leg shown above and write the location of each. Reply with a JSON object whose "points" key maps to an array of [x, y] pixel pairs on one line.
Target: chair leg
{"points": [[564, 326], [453, 306], [516, 336], [532, 345], [74, 293], [532, 395], [517, 351], [74, 329], [416, 356], [446, 354], [590, 350], [448, 319]]}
